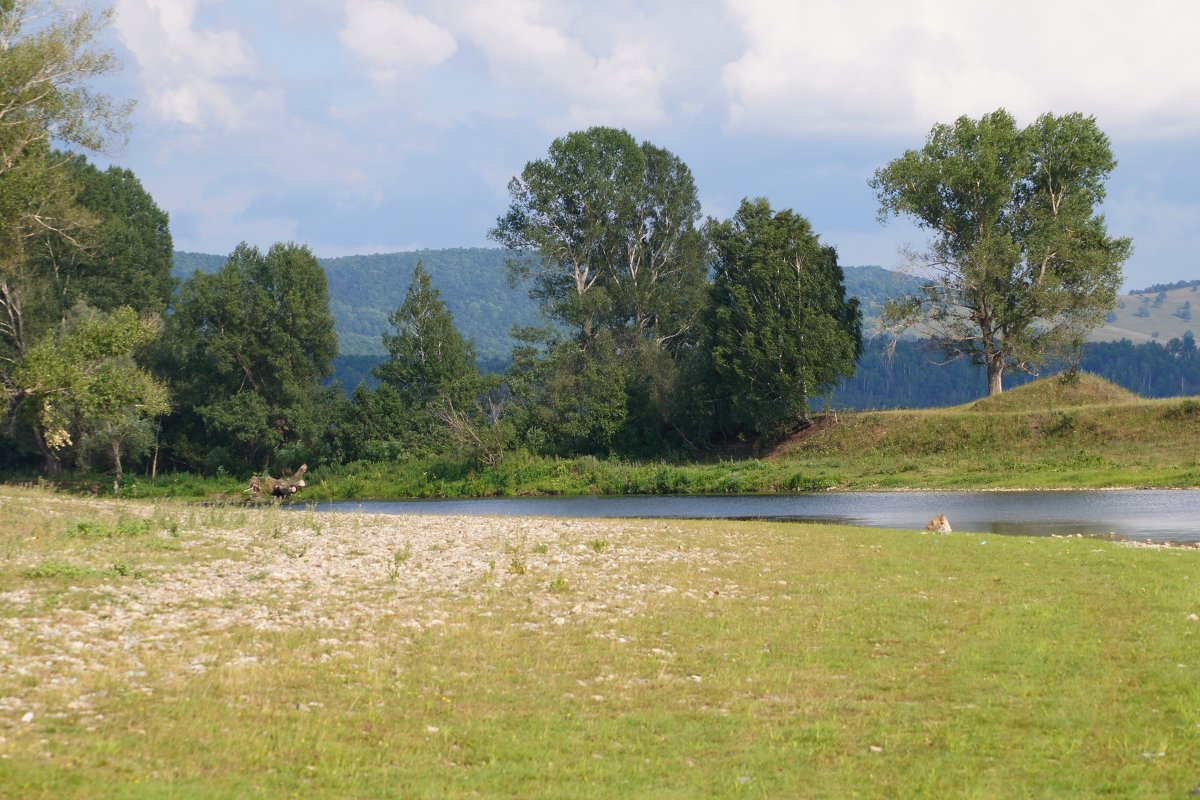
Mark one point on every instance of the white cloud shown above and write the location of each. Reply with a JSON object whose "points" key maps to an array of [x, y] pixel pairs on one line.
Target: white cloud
{"points": [[393, 40], [528, 47], [861, 66], [193, 77]]}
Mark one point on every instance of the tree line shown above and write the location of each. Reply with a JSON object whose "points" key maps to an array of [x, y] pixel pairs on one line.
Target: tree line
{"points": [[911, 373], [666, 333]]}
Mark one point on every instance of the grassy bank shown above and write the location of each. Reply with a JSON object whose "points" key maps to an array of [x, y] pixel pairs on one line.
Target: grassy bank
{"points": [[158, 650], [1043, 435]]}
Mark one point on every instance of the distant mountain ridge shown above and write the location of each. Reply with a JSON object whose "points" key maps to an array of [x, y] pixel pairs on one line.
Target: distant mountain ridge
{"points": [[364, 289]]}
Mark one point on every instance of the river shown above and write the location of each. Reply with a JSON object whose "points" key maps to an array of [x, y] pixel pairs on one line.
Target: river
{"points": [[1145, 515]]}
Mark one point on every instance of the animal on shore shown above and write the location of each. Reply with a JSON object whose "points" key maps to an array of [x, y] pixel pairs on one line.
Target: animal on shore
{"points": [[939, 524]]}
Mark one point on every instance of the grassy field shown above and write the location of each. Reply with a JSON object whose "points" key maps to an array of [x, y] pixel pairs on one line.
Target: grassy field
{"points": [[171, 651]]}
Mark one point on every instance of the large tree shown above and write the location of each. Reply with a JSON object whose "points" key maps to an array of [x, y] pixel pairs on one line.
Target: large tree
{"points": [[49, 57], [610, 228], [428, 358], [250, 345], [1020, 266], [127, 255], [49, 60], [780, 330]]}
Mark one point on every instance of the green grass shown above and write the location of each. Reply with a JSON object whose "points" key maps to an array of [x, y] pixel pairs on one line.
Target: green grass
{"points": [[713, 659]]}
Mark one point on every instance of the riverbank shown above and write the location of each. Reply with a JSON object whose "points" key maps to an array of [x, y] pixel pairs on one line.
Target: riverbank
{"points": [[154, 649], [1089, 435], [1162, 515]]}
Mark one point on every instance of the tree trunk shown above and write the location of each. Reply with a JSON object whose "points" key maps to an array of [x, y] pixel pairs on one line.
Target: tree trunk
{"points": [[51, 462], [115, 452], [995, 370]]}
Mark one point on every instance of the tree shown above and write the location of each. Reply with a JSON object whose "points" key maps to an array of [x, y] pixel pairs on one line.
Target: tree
{"points": [[780, 329], [126, 256], [564, 398], [429, 358], [116, 250], [431, 369], [83, 383], [248, 347], [608, 230], [48, 61], [611, 228], [1020, 266], [37, 206]]}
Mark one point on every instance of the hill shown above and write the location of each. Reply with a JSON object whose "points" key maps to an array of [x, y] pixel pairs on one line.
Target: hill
{"points": [[1157, 314], [1046, 434], [363, 290], [1086, 390], [873, 286], [473, 282]]}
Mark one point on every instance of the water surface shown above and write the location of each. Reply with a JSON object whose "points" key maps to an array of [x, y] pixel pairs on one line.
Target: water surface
{"points": [[1151, 515]]}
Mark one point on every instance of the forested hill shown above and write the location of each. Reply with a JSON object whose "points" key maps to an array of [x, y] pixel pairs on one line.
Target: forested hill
{"points": [[873, 286], [363, 290]]}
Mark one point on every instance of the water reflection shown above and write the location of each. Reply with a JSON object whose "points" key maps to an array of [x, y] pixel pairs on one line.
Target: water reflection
{"points": [[1132, 514]]}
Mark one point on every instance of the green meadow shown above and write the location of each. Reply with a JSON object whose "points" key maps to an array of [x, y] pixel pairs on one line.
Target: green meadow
{"points": [[164, 650]]}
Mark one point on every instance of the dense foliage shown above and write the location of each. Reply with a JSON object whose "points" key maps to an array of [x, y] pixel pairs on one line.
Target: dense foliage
{"points": [[1020, 266], [246, 350], [428, 385], [82, 390], [607, 228], [779, 330], [364, 290]]}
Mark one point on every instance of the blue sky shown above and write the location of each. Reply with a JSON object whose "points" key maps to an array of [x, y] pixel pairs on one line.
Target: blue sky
{"points": [[361, 126]]}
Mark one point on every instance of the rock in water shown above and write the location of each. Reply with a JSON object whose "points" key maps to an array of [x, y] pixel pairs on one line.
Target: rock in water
{"points": [[939, 524]]}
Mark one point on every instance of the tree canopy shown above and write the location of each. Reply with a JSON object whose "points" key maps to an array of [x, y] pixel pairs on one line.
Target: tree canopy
{"points": [[82, 383], [1020, 265], [250, 345], [127, 255], [780, 330], [611, 229], [429, 358]]}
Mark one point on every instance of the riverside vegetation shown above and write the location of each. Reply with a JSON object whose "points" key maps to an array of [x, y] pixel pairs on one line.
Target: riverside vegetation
{"points": [[157, 650], [1048, 434]]}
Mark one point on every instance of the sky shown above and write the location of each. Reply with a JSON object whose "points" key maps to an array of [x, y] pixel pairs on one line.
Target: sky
{"points": [[365, 126]]}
